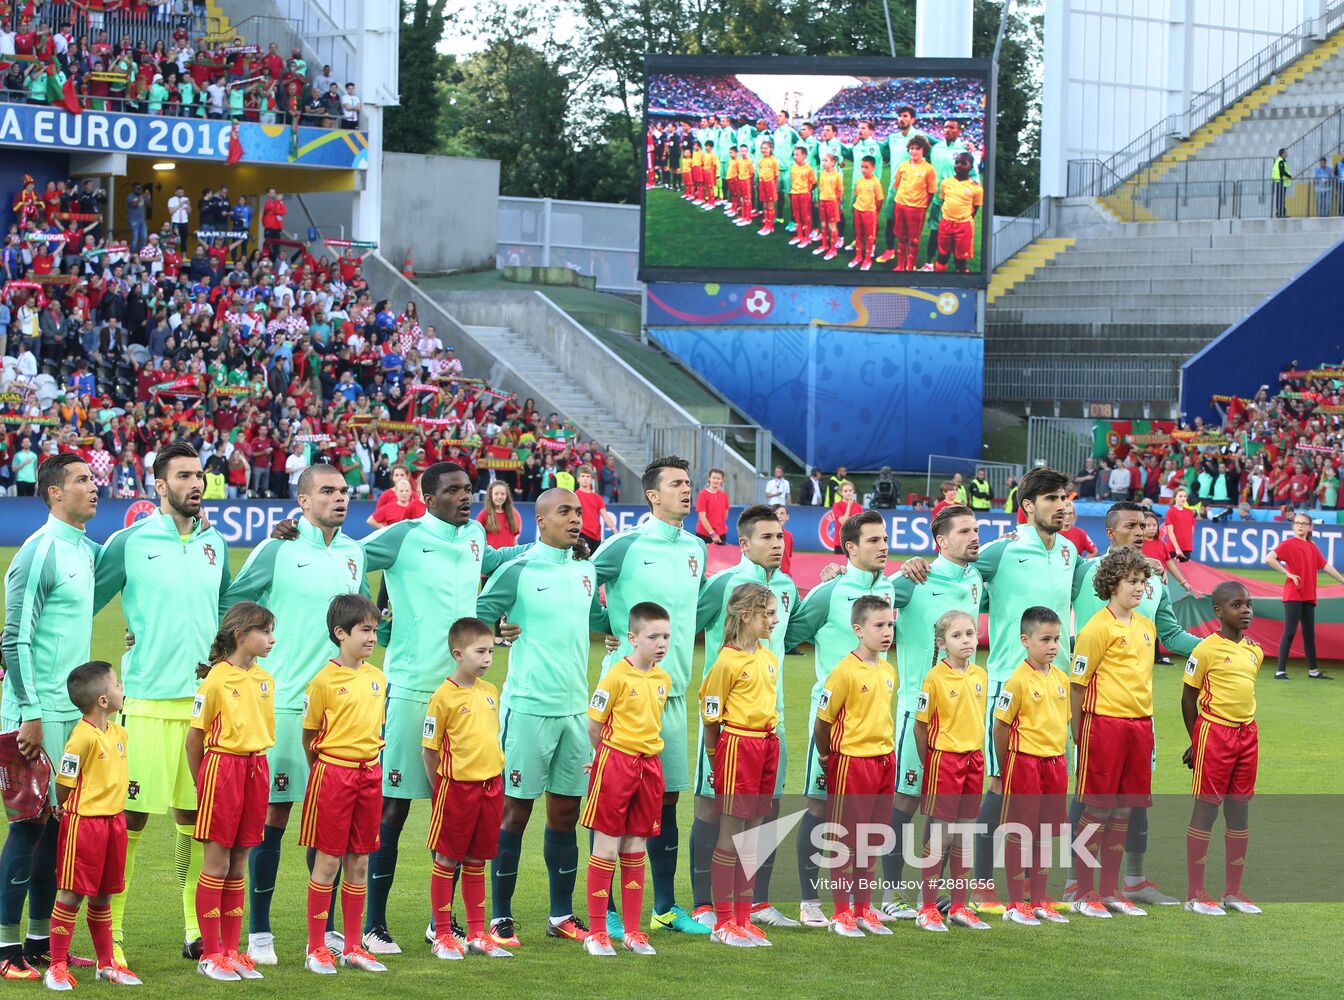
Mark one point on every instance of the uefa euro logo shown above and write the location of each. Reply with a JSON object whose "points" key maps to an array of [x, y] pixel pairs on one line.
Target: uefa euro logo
{"points": [[139, 510]]}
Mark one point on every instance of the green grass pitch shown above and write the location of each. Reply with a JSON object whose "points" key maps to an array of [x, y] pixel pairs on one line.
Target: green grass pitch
{"points": [[1169, 954], [679, 234]]}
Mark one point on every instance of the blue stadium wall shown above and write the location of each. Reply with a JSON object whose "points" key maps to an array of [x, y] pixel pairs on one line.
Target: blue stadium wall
{"points": [[1298, 323], [862, 377], [40, 165]]}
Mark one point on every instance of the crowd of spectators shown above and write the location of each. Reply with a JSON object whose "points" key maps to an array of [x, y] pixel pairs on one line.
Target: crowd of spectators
{"points": [[935, 100], [181, 76], [265, 362], [695, 95]]}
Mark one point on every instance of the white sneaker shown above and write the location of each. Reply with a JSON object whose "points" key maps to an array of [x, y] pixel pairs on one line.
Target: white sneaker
{"points": [[1090, 905], [704, 915], [638, 942], [1205, 907], [1049, 914], [447, 949], [599, 945], [897, 908], [929, 919], [58, 977], [732, 936], [1147, 892], [362, 960], [768, 916], [810, 914], [964, 916], [1242, 904], [214, 967], [871, 921], [1122, 906], [1022, 914], [321, 962], [261, 946], [244, 966], [379, 942], [485, 945], [844, 925], [335, 942]]}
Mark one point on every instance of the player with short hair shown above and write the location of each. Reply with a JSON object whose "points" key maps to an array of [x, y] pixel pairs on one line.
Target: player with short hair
{"points": [[48, 627], [943, 157], [172, 551], [1111, 705], [1031, 723], [949, 731], [867, 206], [745, 181], [830, 193], [90, 790], [961, 197], [660, 560], [343, 712], [737, 709], [551, 593], [802, 179], [232, 727], [866, 144], [854, 733], [461, 752], [898, 152], [625, 787], [710, 165], [1218, 707], [296, 581], [785, 137], [823, 619], [760, 536]]}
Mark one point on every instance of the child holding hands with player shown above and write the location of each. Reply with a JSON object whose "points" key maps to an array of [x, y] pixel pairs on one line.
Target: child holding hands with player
{"points": [[465, 764], [737, 708], [1031, 720], [91, 782], [625, 783], [342, 735], [853, 735], [1218, 705], [232, 726], [950, 737]]}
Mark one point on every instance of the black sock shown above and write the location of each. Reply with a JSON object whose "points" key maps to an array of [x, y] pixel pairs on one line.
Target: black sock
{"points": [[504, 874], [263, 865], [16, 868], [704, 837], [990, 808], [807, 868], [894, 863], [42, 885], [663, 850], [761, 888], [382, 867]]}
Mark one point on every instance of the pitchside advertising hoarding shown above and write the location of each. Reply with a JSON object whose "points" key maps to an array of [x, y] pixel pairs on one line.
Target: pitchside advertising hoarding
{"points": [[1229, 545], [835, 140]]}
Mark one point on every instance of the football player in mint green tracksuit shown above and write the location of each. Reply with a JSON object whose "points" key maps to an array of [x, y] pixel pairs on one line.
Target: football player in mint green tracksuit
{"points": [[432, 566], [943, 158], [954, 584], [823, 620], [550, 593], [48, 631], [172, 572], [831, 143], [761, 539], [1124, 528], [785, 138], [898, 151], [296, 581], [660, 561], [865, 145]]}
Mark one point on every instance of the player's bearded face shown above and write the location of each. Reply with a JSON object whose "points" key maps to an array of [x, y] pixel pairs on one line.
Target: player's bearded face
{"points": [[1048, 512]]}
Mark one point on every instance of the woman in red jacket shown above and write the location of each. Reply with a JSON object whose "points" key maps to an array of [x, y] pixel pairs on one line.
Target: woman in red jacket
{"points": [[501, 521]]}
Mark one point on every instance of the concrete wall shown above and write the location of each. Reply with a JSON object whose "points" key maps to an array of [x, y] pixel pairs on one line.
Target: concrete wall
{"points": [[444, 208]]}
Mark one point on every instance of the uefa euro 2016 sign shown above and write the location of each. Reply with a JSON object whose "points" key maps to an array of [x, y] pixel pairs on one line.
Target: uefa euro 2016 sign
{"points": [[189, 138]]}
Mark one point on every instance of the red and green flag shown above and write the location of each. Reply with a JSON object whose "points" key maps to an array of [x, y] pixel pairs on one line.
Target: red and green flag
{"points": [[61, 90]]}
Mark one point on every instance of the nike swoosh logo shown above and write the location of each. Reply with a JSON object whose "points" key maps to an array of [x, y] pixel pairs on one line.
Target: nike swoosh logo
{"points": [[1022, 560], [568, 871], [15, 881], [540, 589], [648, 562], [153, 557], [936, 593], [373, 877], [422, 550], [73, 575], [302, 565], [262, 892]]}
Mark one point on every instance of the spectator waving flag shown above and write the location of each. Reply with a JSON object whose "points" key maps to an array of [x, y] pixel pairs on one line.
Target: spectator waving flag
{"points": [[235, 144], [61, 90]]}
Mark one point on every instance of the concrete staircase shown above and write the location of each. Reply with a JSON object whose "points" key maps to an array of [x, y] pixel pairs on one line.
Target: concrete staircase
{"points": [[534, 369]]}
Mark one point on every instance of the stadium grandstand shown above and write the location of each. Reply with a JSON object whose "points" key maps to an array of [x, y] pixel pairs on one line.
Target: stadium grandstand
{"points": [[935, 101], [670, 96]]}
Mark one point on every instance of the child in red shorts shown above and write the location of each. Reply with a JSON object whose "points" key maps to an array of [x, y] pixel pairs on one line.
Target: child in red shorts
{"points": [[1031, 726], [950, 738], [625, 782], [232, 726], [853, 735], [962, 198], [91, 782], [1218, 704], [342, 736], [737, 707], [830, 193], [464, 762]]}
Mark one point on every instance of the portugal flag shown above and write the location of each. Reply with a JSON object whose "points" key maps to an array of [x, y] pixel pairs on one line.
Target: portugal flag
{"points": [[61, 90], [235, 145]]}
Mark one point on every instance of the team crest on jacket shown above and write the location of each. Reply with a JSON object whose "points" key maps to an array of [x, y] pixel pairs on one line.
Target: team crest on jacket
{"points": [[694, 563], [394, 778], [911, 778], [1148, 590], [515, 777], [133, 790], [354, 569], [374, 686], [210, 553], [281, 781]]}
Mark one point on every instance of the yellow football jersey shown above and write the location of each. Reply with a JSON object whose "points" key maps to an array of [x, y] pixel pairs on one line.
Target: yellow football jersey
{"points": [[856, 700], [345, 707], [739, 690], [1114, 661], [802, 179], [94, 765], [830, 186], [629, 702], [235, 709], [867, 194], [952, 704], [1224, 672], [462, 723], [1035, 705]]}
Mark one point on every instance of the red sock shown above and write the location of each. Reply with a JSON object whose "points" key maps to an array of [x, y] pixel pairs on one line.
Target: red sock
{"points": [[1235, 843], [722, 879], [600, 871], [632, 888], [1196, 856], [100, 930], [840, 884], [1039, 878], [743, 891], [441, 898], [209, 906], [928, 896], [1014, 868], [863, 889], [960, 865], [1112, 853], [473, 897], [1082, 871], [62, 930], [352, 914], [319, 904], [231, 914]]}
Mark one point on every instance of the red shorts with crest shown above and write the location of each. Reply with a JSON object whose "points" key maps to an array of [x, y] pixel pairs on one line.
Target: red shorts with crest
{"points": [[231, 795], [342, 807], [625, 794], [1226, 760], [745, 767], [465, 817], [91, 854], [1115, 762], [953, 783], [1035, 790]]}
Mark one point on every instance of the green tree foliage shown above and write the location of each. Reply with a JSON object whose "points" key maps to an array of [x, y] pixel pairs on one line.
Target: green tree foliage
{"points": [[416, 126]]}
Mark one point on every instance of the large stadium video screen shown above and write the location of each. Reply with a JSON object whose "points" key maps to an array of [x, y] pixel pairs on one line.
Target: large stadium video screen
{"points": [[824, 171]]}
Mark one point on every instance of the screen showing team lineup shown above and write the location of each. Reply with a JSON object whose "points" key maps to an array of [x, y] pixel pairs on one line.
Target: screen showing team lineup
{"points": [[831, 171]]}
